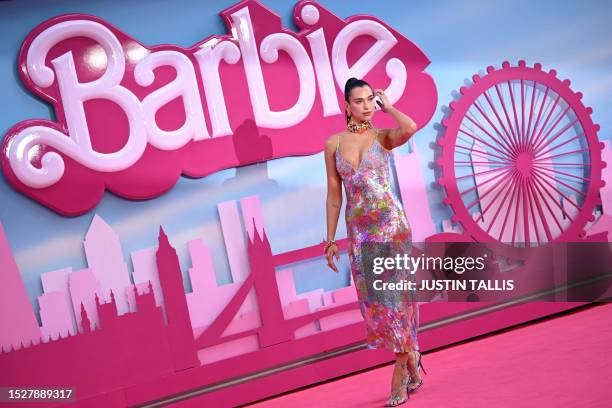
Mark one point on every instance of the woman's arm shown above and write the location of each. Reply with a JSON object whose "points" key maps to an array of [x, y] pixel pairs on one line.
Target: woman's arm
{"points": [[334, 198], [406, 126]]}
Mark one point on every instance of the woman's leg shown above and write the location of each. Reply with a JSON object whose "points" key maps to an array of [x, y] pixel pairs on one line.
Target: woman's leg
{"points": [[399, 381]]}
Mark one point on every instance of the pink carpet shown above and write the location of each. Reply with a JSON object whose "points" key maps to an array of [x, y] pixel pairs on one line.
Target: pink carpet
{"points": [[558, 361]]}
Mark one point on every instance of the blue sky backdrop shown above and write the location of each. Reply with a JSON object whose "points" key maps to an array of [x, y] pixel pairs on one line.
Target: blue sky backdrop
{"points": [[460, 38]]}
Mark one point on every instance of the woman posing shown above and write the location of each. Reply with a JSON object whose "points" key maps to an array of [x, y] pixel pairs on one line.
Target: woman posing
{"points": [[358, 158]]}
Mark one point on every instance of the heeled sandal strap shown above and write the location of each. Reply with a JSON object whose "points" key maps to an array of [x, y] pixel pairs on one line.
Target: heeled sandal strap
{"points": [[396, 400], [416, 387], [419, 364]]}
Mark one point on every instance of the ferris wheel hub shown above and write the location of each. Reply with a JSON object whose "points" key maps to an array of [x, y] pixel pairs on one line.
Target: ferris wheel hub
{"points": [[524, 163]]}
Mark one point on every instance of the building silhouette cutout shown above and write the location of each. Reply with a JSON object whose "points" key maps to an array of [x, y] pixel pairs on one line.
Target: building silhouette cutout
{"points": [[124, 350]]}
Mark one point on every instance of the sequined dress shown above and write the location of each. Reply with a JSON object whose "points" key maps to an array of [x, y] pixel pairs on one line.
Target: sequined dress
{"points": [[374, 215]]}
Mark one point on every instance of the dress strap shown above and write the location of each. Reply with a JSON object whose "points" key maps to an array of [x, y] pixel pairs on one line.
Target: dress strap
{"points": [[338, 144]]}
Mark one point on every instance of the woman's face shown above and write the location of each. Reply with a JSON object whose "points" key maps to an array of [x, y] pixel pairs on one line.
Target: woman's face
{"points": [[361, 104]]}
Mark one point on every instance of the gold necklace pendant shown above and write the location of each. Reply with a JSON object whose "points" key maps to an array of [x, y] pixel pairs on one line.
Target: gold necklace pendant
{"points": [[358, 127]]}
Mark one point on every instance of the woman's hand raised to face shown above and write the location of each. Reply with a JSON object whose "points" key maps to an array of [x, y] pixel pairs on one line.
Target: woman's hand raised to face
{"points": [[329, 254], [386, 105]]}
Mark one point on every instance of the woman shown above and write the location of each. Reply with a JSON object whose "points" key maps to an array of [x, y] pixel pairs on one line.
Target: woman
{"points": [[359, 157]]}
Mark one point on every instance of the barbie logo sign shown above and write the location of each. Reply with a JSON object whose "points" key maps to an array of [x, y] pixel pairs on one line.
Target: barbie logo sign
{"points": [[131, 119]]}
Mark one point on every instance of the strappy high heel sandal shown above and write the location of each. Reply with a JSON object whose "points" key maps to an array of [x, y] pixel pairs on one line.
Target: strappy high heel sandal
{"points": [[420, 383], [395, 398]]}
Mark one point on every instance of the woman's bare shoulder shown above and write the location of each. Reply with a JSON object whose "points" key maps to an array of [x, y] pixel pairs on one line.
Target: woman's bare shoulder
{"points": [[335, 136], [332, 141], [381, 134]]}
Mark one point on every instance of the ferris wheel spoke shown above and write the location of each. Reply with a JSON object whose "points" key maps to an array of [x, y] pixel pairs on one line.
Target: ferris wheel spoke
{"points": [[482, 184], [505, 188], [500, 141], [519, 190], [480, 198], [537, 120], [542, 219], [537, 156], [482, 162], [508, 134], [528, 131], [517, 136], [471, 155], [484, 172], [531, 207], [508, 121], [544, 141], [481, 151], [538, 146], [485, 143], [535, 188], [546, 111], [563, 164], [536, 185], [556, 190], [562, 154], [541, 173], [555, 200], [508, 180], [486, 117], [522, 134], [563, 173], [525, 212], [513, 187], [536, 140]]}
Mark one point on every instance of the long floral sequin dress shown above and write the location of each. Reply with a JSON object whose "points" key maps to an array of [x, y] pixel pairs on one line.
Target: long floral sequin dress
{"points": [[373, 214]]}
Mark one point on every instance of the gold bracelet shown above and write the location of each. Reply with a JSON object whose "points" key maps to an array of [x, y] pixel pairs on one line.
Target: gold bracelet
{"points": [[329, 243]]}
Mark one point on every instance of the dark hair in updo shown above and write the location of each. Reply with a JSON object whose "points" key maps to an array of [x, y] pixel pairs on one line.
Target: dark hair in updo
{"points": [[348, 87]]}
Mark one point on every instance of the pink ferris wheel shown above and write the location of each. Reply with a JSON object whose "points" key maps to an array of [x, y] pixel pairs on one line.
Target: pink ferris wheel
{"points": [[520, 158]]}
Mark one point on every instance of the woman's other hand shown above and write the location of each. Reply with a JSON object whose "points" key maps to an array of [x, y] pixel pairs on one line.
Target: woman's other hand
{"points": [[332, 252]]}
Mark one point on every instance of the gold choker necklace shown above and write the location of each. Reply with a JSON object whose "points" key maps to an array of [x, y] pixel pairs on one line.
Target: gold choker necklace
{"points": [[358, 127]]}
